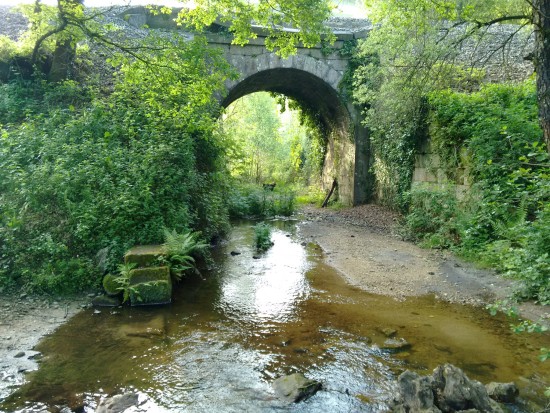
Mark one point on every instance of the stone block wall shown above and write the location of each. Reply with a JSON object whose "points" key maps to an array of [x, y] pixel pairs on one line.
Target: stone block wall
{"points": [[429, 171]]}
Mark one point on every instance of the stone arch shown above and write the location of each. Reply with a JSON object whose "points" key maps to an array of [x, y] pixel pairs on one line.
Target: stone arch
{"points": [[313, 83]]}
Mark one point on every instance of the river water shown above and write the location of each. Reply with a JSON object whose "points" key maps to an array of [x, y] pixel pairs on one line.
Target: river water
{"points": [[247, 321]]}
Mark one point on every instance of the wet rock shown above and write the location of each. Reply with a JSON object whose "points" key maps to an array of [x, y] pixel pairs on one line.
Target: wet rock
{"points": [[118, 403], [417, 393], [447, 390], [19, 355], [256, 257], [502, 392], [457, 392], [396, 344], [233, 253], [295, 387], [106, 301], [388, 332]]}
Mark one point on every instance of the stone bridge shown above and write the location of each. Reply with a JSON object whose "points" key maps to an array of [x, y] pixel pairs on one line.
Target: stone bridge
{"points": [[312, 77]]}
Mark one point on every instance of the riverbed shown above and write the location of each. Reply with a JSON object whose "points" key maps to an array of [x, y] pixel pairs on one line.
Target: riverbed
{"points": [[246, 321]]}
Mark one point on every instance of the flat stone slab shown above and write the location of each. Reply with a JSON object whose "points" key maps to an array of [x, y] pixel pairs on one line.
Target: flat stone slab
{"points": [[144, 255]]}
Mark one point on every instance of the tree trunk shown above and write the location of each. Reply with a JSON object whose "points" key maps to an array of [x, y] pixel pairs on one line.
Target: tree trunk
{"points": [[63, 58], [541, 20]]}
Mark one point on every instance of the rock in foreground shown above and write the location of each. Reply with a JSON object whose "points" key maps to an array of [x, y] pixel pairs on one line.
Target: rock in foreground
{"points": [[448, 389], [295, 387]]}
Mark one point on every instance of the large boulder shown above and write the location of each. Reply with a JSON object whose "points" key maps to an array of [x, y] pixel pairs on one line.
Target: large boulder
{"points": [[447, 390], [295, 387], [455, 391], [417, 392], [111, 285]]}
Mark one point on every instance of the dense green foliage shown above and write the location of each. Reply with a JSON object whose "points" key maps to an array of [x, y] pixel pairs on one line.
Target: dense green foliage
{"points": [[82, 176], [262, 237], [271, 142], [417, 48], [252, 201], [181, 251], [491, 136], [308, 16], [505, 220]]}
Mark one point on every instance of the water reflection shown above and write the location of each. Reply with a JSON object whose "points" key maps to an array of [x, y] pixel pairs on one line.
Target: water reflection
{"points": [[268, 288]]}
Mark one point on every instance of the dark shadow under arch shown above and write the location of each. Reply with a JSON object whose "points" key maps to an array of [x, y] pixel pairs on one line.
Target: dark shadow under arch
{"points": [[307, 89]]}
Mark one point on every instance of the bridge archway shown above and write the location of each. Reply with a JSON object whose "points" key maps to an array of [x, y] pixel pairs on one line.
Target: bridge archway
{"points": [[339, 121], [312, 77]]}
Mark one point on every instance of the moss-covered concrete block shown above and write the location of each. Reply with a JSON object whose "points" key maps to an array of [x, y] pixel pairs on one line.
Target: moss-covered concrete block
{"points": [[110, 285], [144, 255], [151, 285]]}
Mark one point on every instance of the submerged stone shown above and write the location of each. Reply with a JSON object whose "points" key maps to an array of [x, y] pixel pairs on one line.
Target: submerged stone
{"points": [[295, 387], [118, 403], [150, 286], [106, 301], [153, 328], [144, 255], [396, 344]]}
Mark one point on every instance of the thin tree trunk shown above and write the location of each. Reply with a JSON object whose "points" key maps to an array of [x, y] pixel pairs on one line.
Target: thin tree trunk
{"points": [[541, 20]]}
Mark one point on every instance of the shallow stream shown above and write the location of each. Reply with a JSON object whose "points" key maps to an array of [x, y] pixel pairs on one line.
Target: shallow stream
{"points": [[228, 335]]}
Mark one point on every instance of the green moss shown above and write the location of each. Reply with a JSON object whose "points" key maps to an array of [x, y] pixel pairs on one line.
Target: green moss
{"points": [[141, 275], [153, 292], [110, 285], [150, 286], [144, 255]]}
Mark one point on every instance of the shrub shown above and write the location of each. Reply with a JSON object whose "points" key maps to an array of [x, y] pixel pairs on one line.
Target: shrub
{"points": [[109, 172], [433, 216], [252, 201], [262, 237], [181, 251]]}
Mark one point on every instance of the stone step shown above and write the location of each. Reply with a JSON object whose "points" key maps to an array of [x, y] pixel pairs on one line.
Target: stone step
{"points": [[144, 255], [152, 285]]}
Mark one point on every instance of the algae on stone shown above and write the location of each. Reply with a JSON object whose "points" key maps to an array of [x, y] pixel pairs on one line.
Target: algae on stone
{"points": [[111, 285], [151, 285], [144, 255]]}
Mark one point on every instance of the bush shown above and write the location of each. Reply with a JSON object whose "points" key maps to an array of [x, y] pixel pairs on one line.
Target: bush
{"points": [[506, 220], [262, 237], [252, 201], [433, 217], [81, 176]]}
